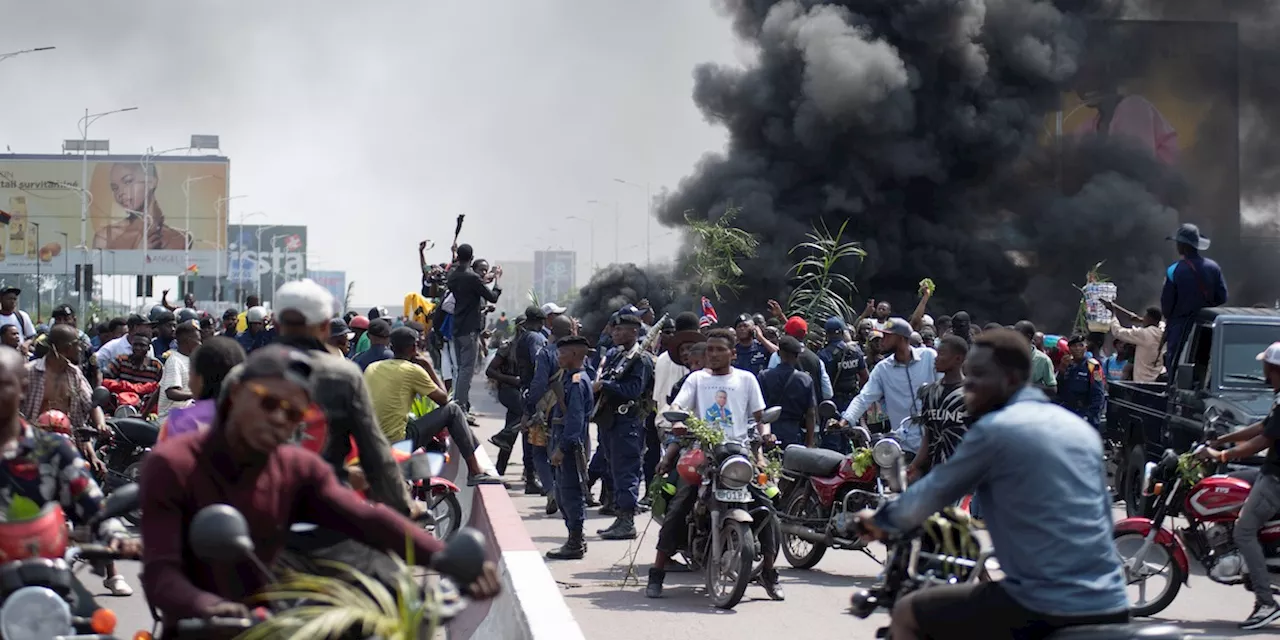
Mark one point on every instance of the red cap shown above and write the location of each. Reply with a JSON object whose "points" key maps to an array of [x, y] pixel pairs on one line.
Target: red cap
{"points": [[796, 327], [360, 322]]}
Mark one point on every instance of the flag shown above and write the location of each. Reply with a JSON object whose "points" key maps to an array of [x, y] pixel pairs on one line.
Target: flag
{"points": [[5, 217], [709, 311], [193, 269]]}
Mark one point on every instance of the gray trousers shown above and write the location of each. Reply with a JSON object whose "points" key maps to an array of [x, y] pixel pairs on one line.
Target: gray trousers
{"points": [[465, 351], [1261, 506]]}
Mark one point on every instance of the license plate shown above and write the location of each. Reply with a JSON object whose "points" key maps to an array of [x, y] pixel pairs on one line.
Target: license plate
{"points": [[733, 495]]}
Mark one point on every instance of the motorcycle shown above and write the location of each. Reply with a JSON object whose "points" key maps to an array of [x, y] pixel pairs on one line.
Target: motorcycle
{"points": [[130, 441], [1210, 506], [219, 534], [422, 469], [821, 490], [38, 598], [731, 511], [945, 551]]}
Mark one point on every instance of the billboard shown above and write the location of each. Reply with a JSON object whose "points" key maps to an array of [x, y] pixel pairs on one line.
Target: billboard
{"points": [[42, 195], [553, 275], [334, 281], [1169, 90], [260, 258]]}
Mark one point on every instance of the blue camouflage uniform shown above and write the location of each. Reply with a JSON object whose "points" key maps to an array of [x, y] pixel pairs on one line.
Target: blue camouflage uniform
{"points": [[569, 434], [1080, 390], [545, 366], [622, 435]]}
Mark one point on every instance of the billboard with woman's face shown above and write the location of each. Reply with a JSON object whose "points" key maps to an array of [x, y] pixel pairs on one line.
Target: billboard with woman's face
{"points": [[166, 213]]}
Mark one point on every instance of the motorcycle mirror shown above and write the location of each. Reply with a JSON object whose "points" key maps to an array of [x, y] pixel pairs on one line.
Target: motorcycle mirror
{"points": [[404, 446], [101, 397], [771, 415], [464, 557], [219, 533], [674, 415], [827, 410], [435, 462], [417, 467], [121, 501]]}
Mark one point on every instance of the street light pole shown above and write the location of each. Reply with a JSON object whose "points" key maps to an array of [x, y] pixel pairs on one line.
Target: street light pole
{"points": [[66, 262], [617, 220], [592, 224], [221, 244], [186, 245], [39, 318], [146, 211], [14, 54], [648, 218], [83, 126], [258, 249]]}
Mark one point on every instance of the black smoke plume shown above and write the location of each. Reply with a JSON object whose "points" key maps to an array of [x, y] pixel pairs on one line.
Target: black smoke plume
{"points": [[616, 286], [923, 123]]}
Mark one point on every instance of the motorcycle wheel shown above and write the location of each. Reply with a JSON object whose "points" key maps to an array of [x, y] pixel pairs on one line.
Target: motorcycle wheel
{"points": [[132, 472], [1127, 545], [1135, 504], [446, 512], [729, 567], [800, 553]]}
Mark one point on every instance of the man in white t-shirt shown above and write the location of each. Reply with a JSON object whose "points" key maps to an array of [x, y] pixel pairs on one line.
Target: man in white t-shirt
{"points": [[10, 314], [175, 383], [730, 399]]}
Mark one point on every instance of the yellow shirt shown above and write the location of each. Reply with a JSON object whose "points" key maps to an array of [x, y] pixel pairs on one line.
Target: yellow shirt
{"points": [[393, 385], [418, 309], [241, 325]]}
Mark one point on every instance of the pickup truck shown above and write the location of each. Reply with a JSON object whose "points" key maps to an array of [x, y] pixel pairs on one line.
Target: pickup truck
{"points": [[1217, 381]]}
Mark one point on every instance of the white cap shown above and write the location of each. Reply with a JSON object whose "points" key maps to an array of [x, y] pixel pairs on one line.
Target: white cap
{"points": [[1271, 355], [926, 320], [551, 307], [313, 301], [255, 314]]}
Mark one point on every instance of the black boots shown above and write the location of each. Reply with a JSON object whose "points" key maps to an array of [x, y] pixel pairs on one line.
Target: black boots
{"points": [[654, 588], [606, 501], [531, 485], [504, 440], [552, 507], [623, 528], [574, 548]]}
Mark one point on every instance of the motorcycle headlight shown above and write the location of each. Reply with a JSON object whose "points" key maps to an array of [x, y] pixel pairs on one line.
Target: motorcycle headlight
{"points": [[35, 613], [736, 472], [886, 453]]}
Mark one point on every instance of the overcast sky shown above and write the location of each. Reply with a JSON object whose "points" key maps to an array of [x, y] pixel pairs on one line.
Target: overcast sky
{"points": [[377, 123]]}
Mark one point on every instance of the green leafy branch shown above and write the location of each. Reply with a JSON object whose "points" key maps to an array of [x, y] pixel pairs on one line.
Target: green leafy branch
{"points": [[820, 290], [710, 436], [861, 461], [717, 248]]}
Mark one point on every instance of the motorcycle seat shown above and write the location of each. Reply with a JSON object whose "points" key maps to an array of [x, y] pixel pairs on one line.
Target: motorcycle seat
{"points": [[1122, 632], [138, 431], [814, 462]]}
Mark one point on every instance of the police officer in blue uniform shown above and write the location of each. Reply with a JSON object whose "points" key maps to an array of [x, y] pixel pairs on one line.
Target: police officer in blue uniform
{"points": [[627, 401], [847, 368], [1080, 385], [569, 439]]}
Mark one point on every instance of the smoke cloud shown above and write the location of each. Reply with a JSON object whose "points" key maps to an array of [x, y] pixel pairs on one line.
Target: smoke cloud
{"points": [[618, 285], [923, 124]]}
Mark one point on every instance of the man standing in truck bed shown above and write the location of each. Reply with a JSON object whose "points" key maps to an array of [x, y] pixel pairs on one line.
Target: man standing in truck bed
{"points": [[1191, 284]]}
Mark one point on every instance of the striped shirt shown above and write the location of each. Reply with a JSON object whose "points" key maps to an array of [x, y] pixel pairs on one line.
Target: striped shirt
{"points": [[125, 369]]}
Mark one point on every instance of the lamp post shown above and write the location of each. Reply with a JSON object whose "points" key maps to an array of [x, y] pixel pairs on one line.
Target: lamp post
{"points": [[186, 245], [273, 266], [648, 217], [14, 54], [39, 318], [617, 225], [592, 225], [66, 264], [221, 244], [85, 196], [258, 249]]}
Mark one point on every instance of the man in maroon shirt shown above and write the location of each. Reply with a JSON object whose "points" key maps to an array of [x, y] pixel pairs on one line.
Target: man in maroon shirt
{"points": [[244, 460]]}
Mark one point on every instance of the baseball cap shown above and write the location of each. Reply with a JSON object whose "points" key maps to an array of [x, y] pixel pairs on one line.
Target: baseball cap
{"points": [[551, 307], [308, 298], [796, 327], [630, 310], [276, 361], [534, 313], [380, 328], [790, 345], [338, 327], [897, 326], [835, 324], [14, 290], [1190, 234], [403, 338], [1271, 355], [63, 311], [255, 314]]}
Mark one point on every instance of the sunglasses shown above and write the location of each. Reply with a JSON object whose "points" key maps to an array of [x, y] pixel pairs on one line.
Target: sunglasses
{"points": [[271, 402]]}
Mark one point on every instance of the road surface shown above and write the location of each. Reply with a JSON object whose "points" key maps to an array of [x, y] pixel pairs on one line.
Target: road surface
{"points": [[605, 590]]}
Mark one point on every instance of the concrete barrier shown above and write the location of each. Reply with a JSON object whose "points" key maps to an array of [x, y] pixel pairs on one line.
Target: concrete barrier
{"points": [[530, 606]]}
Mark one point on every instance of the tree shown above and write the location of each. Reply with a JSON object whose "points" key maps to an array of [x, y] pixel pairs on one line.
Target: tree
{"points": [[717, 248], [821, 291], [346, 299]]}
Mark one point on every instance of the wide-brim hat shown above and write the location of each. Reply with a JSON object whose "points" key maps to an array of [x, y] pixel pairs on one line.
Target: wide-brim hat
{"points": [[680, 339]]}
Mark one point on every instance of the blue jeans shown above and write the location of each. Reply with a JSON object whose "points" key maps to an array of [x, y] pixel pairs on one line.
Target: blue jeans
{"points": [[624, 452]]}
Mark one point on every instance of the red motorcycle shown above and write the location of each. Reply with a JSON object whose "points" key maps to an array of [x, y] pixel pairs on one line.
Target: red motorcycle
{"points": [[1210, 506], [822, 491]]}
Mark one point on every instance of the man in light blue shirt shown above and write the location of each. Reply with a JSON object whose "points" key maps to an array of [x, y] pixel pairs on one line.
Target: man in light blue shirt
{"points": [[1038, 470], [896, 380]]}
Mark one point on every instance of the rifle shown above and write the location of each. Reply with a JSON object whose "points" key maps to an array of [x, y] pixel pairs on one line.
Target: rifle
{"points": [[624, 364]]}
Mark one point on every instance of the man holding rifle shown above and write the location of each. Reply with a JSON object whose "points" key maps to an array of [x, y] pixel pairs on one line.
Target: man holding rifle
{"points": [[569, 419], [626, 388]]}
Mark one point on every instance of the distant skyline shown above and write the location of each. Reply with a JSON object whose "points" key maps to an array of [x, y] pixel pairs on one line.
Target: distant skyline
{"points": [[376, 124]]}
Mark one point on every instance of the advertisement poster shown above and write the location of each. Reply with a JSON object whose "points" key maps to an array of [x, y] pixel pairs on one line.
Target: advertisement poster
{"points": [[553, 275], [42, 197], [260, 258], [334, 281], [1169, 90]]}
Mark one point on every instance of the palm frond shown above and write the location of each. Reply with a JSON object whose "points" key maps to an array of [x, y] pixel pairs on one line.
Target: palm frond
{"points": [[819, 290], [717, 249]]}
